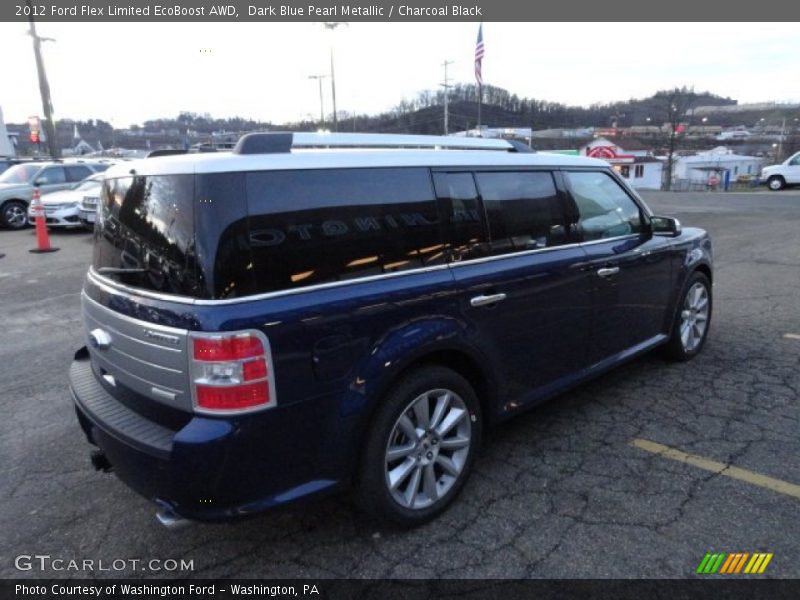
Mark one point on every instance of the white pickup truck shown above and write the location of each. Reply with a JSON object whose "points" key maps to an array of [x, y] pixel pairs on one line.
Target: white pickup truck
{"points": [[779, 176]]}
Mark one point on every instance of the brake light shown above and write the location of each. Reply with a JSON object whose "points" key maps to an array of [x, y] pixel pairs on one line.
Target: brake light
{"points": [[232, 372]]}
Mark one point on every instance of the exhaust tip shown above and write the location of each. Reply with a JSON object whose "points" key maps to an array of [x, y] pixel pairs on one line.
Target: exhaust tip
{"points": [[171, 520], [100, 461]]}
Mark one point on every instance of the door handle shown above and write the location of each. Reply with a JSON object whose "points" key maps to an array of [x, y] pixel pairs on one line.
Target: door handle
{"points": [[607, 271], [486, 300]]}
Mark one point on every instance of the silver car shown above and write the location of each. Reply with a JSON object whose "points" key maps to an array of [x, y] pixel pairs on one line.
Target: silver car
{"points": [[18, 182], [64, 208]]}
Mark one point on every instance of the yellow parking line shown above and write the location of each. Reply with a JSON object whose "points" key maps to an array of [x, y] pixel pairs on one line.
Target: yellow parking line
{"points": [[791, 336], [770, 483]]}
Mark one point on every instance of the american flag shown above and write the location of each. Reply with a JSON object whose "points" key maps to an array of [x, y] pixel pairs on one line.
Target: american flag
{"points": [[479, 56]]}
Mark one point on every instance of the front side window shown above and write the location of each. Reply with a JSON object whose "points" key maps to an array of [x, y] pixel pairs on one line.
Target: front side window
{"points": [[605, 209], [522, 209], [319, 226], [795, 161], [51, 176]]}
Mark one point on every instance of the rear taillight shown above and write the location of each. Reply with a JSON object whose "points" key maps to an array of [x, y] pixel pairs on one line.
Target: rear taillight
{"points": [[232, 372]]}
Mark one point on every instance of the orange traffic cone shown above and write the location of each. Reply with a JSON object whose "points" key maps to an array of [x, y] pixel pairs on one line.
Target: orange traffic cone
{"points": [[42, 238]]}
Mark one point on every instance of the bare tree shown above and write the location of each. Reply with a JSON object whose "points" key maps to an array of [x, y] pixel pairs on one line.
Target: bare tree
{"points": [[673, 106]]}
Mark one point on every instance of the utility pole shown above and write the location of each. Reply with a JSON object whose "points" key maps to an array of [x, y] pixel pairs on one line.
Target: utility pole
{"points": [[780, 141], [319, 79], [446, 86], [44, 86], [332, 27]]}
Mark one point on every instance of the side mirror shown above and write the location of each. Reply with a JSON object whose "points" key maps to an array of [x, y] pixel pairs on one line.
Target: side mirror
{"points": [[665, 226]]}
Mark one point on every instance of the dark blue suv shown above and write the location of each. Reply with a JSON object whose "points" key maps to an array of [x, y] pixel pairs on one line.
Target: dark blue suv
{"points": [[297, 316]]}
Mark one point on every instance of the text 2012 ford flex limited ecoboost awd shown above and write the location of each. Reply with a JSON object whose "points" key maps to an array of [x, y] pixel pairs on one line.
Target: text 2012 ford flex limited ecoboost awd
{"points": [[299, 316]]}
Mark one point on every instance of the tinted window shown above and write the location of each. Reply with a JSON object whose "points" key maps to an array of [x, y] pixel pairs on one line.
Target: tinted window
{"points": [[522, 210], [605, 209], [461, 210], [223, 246], [318, 226], [78, 173], [51, 176], [146, 223]]}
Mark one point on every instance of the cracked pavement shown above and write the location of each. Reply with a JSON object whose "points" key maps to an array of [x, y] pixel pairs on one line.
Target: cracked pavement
{"points": [[557, 492]]}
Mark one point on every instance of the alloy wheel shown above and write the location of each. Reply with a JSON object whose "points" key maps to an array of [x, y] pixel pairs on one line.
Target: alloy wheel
{"points": [[428, 448], [694, 317]]}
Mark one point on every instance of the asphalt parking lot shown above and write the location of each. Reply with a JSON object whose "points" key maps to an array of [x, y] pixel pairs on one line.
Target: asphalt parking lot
{"points": [[579, 487]]}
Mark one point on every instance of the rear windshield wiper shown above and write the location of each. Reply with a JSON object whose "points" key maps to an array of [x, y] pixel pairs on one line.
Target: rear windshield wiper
{"points": [[104, 270]]}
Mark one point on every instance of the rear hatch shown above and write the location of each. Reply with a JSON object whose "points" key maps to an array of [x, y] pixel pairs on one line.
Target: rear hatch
{"points": [[151, 242]]}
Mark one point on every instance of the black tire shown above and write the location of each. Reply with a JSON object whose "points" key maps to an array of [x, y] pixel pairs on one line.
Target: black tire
{"points": [[14, 214], [676, 348], [775, 183], [373, 494]]}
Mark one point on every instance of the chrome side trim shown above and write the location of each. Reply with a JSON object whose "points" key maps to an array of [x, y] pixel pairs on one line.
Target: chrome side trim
{"points": [[138, 322], [116, 287]]}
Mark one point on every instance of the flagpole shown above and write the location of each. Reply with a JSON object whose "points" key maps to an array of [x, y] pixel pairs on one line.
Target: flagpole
{"points": [[480, 101], [479, 52]]}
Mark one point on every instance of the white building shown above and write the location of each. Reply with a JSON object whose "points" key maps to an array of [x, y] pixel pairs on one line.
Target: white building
{"points": [[634, 162], [720, 162]]}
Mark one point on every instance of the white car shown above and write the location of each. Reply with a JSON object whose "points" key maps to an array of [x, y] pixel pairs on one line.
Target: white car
{"points": [[779, 176], [63, 208]]}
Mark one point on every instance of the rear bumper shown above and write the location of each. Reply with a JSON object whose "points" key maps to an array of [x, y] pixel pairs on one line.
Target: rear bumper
{"points": [[214, 468]]}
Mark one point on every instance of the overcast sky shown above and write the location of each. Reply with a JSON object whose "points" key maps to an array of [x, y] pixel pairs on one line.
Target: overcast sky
{"points": [[127, 73]]}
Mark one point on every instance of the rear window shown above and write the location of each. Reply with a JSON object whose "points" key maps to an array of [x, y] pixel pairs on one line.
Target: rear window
{"points": [[320, 226], [144, 235]]}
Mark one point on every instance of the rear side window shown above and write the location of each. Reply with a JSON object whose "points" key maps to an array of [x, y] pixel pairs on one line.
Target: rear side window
{"points": [[319, 226], [461, 211], [78, 173], [523, 211], [605, 209]]}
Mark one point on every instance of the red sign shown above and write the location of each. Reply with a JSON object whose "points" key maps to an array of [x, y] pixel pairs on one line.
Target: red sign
{"points": [[608, 153], [604, 152]]}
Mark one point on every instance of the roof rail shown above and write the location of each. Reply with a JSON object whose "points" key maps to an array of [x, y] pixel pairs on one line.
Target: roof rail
{"points": [[283, 142], [164, 152]]}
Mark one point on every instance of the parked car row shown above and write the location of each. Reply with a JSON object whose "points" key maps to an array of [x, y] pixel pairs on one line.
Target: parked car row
{"points": [[70, 208], [18, 182]]}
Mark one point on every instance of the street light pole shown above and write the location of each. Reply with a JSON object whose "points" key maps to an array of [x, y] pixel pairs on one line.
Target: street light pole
{"points": [[319, 79], [332, 27], [44, 86], [446, 86]]}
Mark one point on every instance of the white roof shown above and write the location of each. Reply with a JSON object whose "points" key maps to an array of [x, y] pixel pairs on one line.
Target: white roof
{"points": [[219, 162], [719, 158]]}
